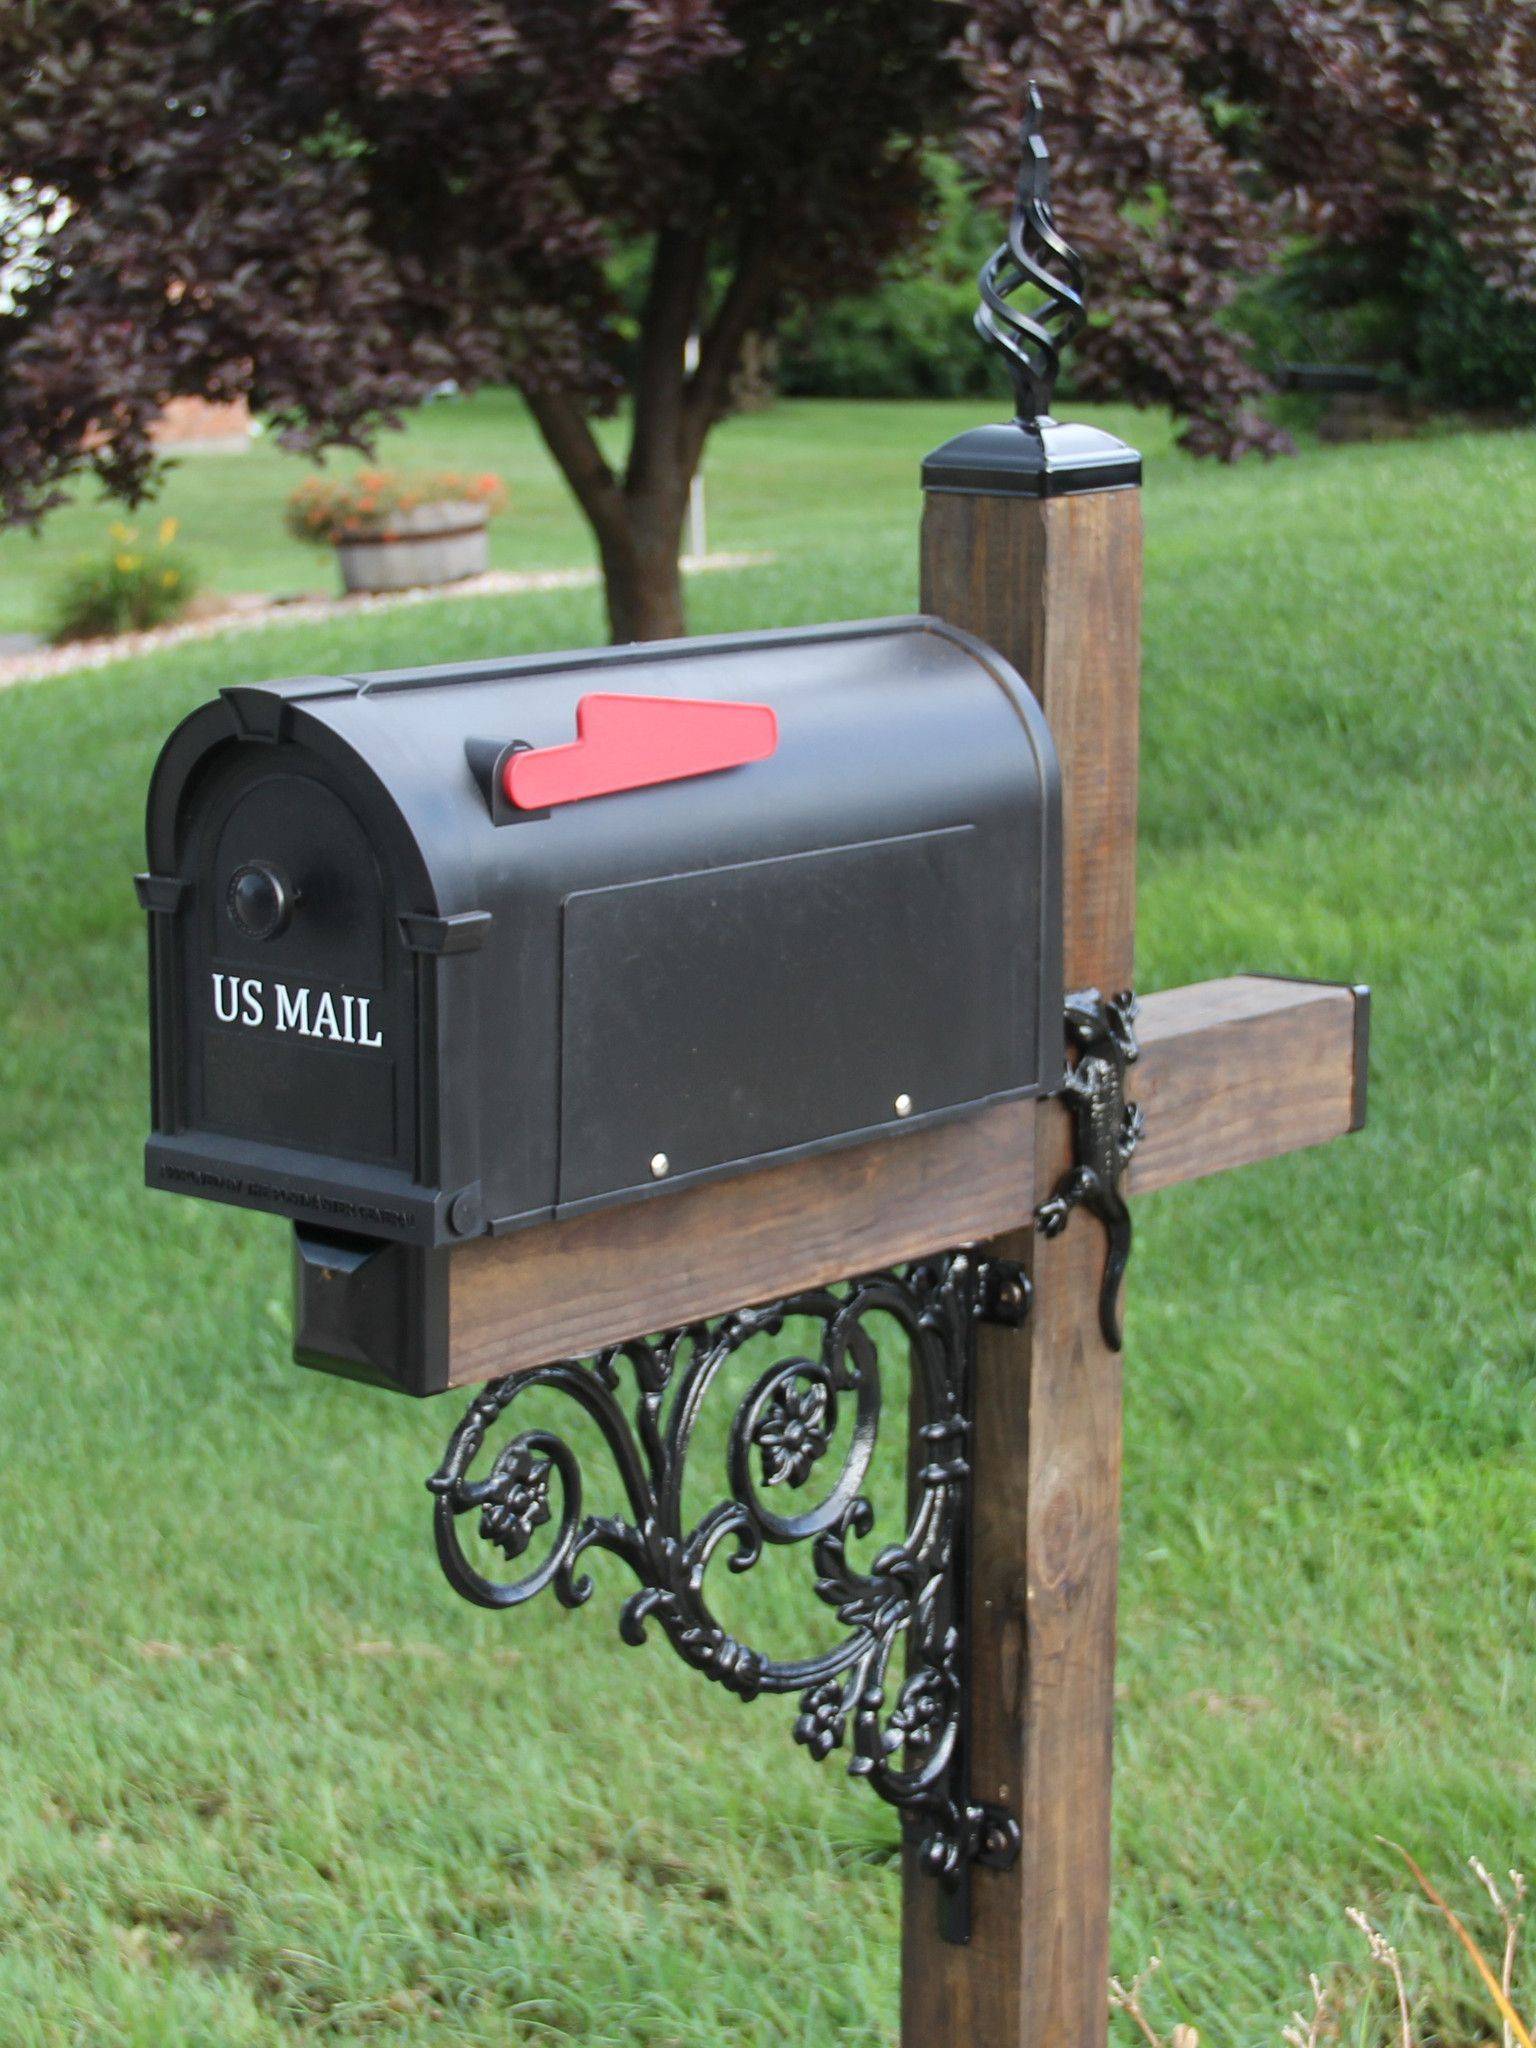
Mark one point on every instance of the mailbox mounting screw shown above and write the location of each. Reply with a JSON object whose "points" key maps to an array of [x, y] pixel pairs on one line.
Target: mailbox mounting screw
{"points": [[661, 1166], [903, 1105]]}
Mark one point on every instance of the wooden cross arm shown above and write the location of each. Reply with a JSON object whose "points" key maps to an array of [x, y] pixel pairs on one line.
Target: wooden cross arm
{"points": [[1241, 1070], [1231, 1071]]}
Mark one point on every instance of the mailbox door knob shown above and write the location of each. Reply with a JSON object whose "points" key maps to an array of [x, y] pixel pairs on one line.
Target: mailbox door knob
{"points": [[636, 742], [260, 900]]}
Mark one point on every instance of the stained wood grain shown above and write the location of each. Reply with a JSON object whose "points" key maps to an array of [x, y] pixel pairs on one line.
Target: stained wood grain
{"points": [[1043, 1587], [563, 1289], [1240, 1070], [1231, 1071], [1056, 586]]}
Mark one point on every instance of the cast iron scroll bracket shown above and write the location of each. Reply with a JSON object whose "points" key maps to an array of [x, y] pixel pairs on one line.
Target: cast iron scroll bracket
{"points": [[1106, 1131], [903, 1725], [1036, 256]]}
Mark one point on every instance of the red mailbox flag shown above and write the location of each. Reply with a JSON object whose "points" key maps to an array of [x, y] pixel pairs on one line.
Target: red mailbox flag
{"points": [[632, 742]]}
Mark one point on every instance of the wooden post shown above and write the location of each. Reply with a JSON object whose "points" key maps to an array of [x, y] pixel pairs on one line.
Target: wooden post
{"points": [[1046, 567]]}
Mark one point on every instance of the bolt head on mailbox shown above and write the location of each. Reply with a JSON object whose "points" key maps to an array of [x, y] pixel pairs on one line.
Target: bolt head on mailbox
{"points": [[449, 951]]}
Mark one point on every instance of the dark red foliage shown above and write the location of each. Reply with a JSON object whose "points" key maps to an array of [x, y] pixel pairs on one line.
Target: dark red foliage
{"points": [[1193, 138], [330, 205]]}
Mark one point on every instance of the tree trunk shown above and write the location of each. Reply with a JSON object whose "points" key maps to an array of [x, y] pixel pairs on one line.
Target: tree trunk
{"points": [[638, 518], [642, 576]]}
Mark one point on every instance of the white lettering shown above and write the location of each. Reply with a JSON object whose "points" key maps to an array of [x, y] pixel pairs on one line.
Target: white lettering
{"points": [[293, 1011], [310, 1013]]}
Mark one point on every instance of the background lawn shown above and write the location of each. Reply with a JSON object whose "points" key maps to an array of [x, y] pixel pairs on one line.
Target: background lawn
{"points": [[265, 1780], [230, 507]]}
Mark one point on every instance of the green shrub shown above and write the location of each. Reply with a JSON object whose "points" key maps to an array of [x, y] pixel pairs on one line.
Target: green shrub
{"points": [[137, 586], [911, 337], [1410, 306], [1473, 346]]}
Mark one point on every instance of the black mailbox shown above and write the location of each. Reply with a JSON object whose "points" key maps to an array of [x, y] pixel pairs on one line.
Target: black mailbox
{"points": [[446, 951]]}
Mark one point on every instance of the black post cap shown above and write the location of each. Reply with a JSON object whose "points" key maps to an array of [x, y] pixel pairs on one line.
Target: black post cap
{"points": [[1035, 456]]}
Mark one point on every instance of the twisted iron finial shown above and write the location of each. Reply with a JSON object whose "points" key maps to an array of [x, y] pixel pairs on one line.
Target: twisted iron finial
{"points": [[1034, 254]]}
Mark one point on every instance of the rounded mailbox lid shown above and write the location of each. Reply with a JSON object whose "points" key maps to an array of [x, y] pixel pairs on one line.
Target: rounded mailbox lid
{"points": [[757, 960], [458, 948]]}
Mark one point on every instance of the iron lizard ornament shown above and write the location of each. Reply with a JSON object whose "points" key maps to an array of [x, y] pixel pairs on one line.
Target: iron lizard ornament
{"points": [[1107, 1130]]}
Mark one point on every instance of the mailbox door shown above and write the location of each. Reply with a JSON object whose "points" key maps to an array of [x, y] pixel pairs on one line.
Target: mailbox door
{"points": [[298, 991], [761, 1009]]}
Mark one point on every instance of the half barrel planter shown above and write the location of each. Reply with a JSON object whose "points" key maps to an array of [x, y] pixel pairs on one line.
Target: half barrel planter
{"points": [[430, 544]]}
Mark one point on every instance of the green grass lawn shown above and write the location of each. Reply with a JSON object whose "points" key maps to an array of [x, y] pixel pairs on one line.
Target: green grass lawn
{"points": [[230, 511], [265, 1780], [229, 507]]}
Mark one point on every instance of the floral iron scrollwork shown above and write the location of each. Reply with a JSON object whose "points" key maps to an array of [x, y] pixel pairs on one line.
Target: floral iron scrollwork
{"points": [[1107, 1129], [890, 1692]]}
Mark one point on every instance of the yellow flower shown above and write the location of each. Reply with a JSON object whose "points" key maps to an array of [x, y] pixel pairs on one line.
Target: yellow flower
{"points": [[125, 564], [120, 533], [169, 528], [169, 579]]}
